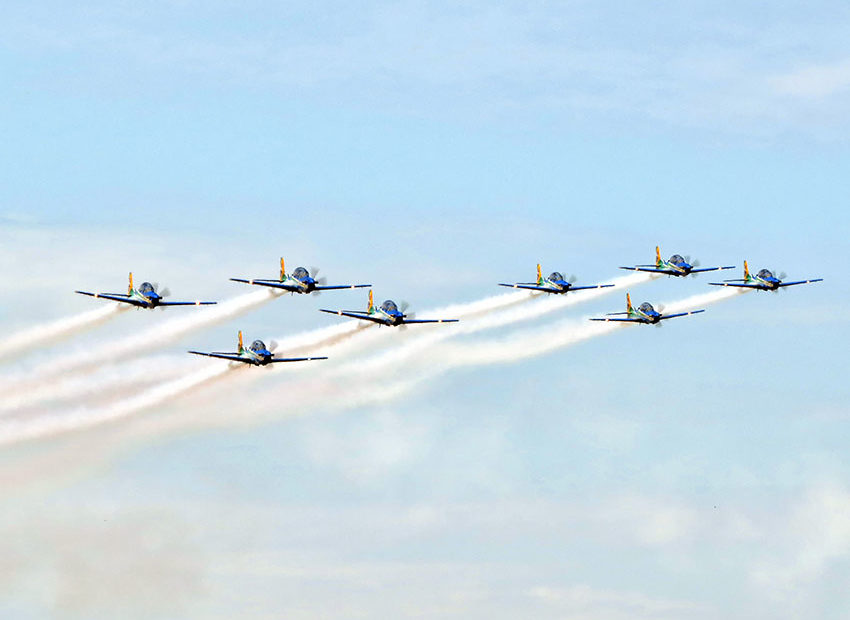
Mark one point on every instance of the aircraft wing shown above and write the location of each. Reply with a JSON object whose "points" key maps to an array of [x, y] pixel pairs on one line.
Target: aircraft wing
{"points": [[801, 282], [233, 357], [582, 288], [621, 320], [269, 283], [340, 286], [296, 359], [354, 314], [653, 269], [701, 269], [187, 303], [673, 316], [407, 321], [115, 297], [530, 287], [730, 283]]}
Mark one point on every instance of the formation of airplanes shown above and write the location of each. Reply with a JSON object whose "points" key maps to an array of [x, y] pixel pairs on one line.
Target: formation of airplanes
{"points": [[391, 314]]}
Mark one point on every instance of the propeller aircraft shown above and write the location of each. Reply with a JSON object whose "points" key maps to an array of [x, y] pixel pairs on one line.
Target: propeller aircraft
{"points": [[257, 354], [764, 280], [644, 313], [146, 296], [299, 281], [387, 313], [673, 266], [555, 283]]}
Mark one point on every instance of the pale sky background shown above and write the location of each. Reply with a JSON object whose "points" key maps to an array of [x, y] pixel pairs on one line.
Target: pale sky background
{"points": [[695, 471]]}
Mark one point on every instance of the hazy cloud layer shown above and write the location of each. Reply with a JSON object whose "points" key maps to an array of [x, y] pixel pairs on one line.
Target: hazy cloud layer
{"points": [[731, 69]]}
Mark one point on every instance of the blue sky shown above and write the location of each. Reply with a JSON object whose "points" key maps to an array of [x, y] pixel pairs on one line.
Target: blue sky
{"points": [[684, 472]]}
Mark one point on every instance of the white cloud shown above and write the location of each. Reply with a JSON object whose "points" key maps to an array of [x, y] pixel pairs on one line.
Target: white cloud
{"points": [[815, 81], [815, 535], [574, 61], [583, 601]]}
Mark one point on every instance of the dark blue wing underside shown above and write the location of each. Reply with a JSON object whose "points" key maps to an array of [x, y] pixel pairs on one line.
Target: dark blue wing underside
{"points": [[115, 297], [530, 287], [233, 357], [269, 283], [341, 286], [583, 288], [187, 303], [673, 316], [355, 315]]}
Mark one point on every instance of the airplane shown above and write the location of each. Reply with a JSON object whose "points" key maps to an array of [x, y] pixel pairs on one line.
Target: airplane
{"points": [[644, 313], [144, 297], [764, 280], [257, 355], [555, 283], [299, 281], [673, 266], [385, 314]]}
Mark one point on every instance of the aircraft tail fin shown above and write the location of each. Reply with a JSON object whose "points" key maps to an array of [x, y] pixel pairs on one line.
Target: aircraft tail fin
{"points": [[539, 275], [628, 303], [746, 272], [282, 270], [658, 261], [240, 348], [130, 286], [371, 302]]}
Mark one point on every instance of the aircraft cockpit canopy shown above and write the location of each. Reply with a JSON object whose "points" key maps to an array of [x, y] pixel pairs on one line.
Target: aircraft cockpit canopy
{"points": [[258, 345], [389, 306], [556, 276], [146, 287], [765, 273], [301, 274], [676, 259], [646, 307]]}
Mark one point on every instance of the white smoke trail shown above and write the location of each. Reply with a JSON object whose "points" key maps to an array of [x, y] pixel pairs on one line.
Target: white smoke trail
{"points": [[142, 342], [63, 328], [385, 378], [491, 321], [704, 299], [529, 343], [22, 428], [382, 377], [118, 381], [105, 382], [488, 313], [553, 303]]}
